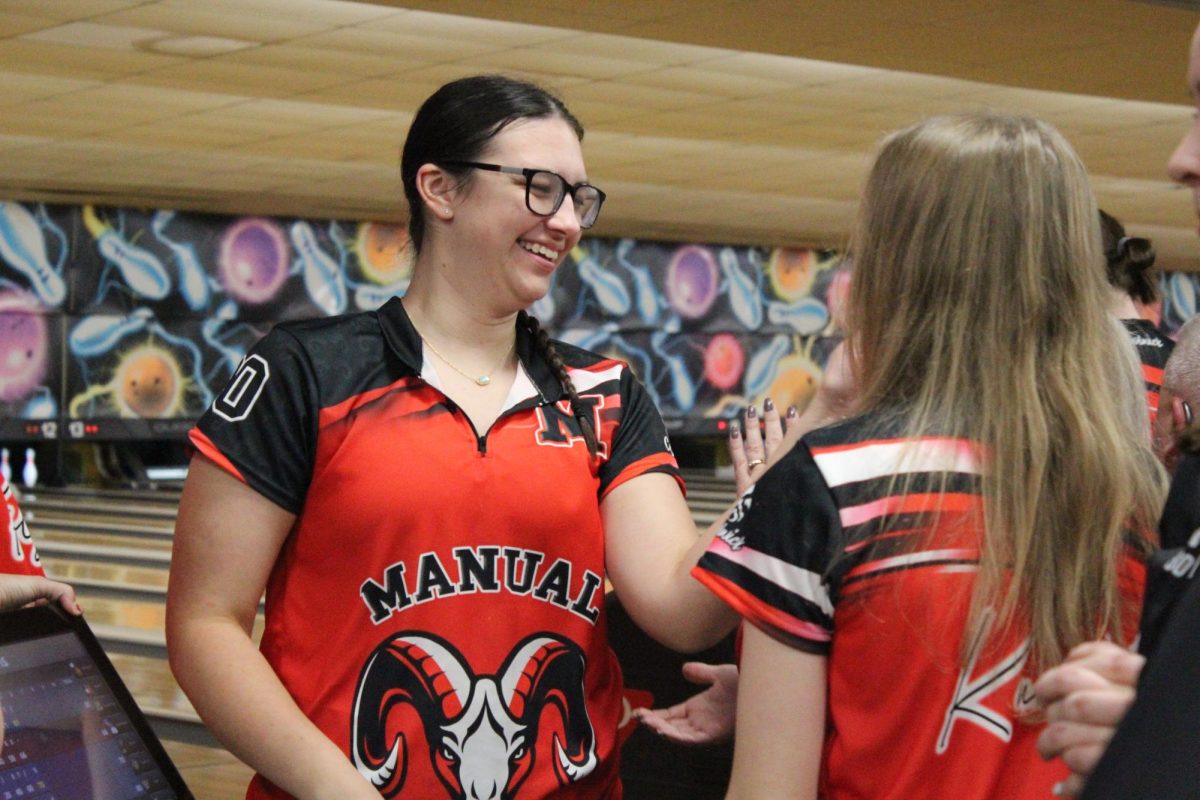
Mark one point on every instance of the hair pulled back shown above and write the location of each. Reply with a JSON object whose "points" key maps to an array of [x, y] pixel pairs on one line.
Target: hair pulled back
{"points": [[457, 122], [1130, 261]]}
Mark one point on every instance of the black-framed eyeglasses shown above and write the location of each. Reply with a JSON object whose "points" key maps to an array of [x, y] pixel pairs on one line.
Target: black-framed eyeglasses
{"points": [[545, 191]]}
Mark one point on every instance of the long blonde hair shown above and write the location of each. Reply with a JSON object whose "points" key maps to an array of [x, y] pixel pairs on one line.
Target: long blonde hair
{"points": [[978, 309]]}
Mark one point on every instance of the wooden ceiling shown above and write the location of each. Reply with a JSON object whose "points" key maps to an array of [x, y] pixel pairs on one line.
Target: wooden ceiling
{"points": [[738, 122]]}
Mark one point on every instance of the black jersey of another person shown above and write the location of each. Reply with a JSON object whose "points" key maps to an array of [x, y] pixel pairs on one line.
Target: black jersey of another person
{"points": [[1173, 568], [1155, 754], [437, 609], [1153, 349]]}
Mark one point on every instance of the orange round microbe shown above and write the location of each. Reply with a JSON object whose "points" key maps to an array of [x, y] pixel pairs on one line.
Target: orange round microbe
{"points": [[383, 252], [148, 383], [791, 272]]}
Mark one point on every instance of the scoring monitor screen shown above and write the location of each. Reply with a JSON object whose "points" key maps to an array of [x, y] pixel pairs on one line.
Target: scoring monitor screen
{"points": [[65, 735]]}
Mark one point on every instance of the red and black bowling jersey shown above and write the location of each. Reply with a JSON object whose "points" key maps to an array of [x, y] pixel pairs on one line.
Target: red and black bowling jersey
{"points": [[1153, 349], [17, 555], [437, 609], [831, 554]]}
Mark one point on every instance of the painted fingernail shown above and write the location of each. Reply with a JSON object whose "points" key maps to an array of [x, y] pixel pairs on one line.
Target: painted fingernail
{"points": [[792, 412], [1058, 789], [768, 404], [751, 412], [735, 430]]}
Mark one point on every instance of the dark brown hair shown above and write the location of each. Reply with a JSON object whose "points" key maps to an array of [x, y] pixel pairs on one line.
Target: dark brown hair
{"points": [[457, 122], [1130, 261]]}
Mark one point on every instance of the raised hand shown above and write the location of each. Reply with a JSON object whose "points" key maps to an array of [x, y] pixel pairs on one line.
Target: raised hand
{"points": [[751, 447]]}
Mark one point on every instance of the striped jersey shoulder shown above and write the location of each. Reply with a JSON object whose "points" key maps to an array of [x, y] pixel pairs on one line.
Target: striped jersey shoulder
{"points": [[860, 449], [881, 481], [903, 503]]}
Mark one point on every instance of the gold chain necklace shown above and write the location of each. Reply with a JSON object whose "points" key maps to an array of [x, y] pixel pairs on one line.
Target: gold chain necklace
{"points": [[480, 380]]}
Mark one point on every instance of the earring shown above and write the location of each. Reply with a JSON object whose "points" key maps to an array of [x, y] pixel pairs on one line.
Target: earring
{"points": [[445, 209]]}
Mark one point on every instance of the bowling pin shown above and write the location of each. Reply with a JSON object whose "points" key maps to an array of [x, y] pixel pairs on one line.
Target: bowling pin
{"points": [[29, 475], [5, 467]]}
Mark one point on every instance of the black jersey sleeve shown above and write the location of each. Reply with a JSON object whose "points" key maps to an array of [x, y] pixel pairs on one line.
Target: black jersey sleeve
{"points": [[263, 424], [771, 559], [639, 443]]}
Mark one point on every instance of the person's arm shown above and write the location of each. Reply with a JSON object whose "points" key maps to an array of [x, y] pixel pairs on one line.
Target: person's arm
{"points": [[651, 545], [650, 538], [780, 721], [17, 591], [227, 538]]}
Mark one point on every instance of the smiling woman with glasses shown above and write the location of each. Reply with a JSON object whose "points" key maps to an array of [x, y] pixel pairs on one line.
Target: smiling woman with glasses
{"points": [[433, 495], [545, 191]]}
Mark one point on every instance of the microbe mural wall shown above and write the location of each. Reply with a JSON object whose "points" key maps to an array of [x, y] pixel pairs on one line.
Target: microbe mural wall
{"points": [[120, 323]]}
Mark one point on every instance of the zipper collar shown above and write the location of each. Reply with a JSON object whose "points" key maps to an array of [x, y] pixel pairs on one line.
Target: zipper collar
{"points": [[404, 341]]}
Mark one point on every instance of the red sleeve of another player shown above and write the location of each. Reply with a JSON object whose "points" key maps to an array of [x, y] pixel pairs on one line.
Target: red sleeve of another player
{"points": [[17, 554]]}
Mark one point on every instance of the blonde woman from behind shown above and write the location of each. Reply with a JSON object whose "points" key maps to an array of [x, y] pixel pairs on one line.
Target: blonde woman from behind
{"points": [[908, 570]]}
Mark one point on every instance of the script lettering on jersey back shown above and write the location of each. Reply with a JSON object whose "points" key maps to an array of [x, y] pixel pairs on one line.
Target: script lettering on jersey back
{"points": [[731, 532], [973, 688], [1141, 340], [487, 569]]}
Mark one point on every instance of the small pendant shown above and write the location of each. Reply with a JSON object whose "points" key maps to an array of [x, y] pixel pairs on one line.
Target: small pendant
{"points": [[483, 380]]}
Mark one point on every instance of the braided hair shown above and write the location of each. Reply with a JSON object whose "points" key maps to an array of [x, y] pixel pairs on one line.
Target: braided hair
{"points": [[550, 353]]}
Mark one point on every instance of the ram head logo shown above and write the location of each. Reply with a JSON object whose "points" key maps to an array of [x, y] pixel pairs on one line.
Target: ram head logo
{"points": [[481, 730]]}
